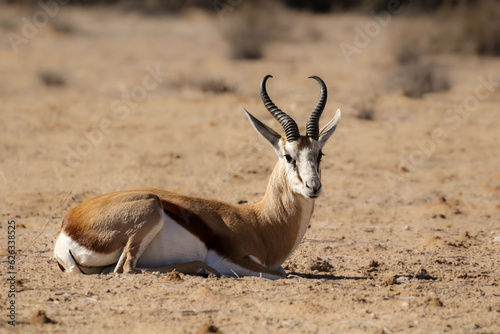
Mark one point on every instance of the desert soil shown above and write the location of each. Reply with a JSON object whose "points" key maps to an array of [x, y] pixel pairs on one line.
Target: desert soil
{"points": [[405, 236]]}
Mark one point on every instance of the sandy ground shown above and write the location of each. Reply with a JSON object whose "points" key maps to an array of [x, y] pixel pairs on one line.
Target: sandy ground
{"points": [[405, 237]]}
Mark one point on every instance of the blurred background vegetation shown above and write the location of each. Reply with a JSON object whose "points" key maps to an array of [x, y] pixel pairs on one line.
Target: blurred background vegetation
{"points": [[463, 26], [316, 6], [425, 28]]}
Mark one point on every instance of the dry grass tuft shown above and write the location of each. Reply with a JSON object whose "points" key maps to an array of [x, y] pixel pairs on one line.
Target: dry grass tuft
{"points": [[52, 78], [415, 80], [321, 265]]}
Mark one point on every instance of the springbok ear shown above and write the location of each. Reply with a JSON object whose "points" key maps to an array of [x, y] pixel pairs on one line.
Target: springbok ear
{"points": [[329, 129], [269, 134]]}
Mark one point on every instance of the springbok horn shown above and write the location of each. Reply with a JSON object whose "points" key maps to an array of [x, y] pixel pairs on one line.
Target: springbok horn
{"points": [[312, 127], [291, 129]]}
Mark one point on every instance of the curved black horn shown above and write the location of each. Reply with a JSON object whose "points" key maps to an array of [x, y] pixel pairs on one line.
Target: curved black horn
{"points": [[291, 129], [312, 127]]}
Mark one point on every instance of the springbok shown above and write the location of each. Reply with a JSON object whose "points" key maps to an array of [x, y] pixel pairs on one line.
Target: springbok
{"points": [[157, 230]]}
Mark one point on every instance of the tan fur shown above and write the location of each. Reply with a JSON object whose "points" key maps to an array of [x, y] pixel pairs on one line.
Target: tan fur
{"points": [[266, 230], [105, 223]]}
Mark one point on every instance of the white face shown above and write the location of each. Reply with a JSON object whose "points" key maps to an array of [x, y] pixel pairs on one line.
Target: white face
{"points": [[301, 157], [302, 162]]}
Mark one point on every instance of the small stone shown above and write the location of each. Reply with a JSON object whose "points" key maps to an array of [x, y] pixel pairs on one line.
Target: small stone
{"points": [[390, 280], [435, 302], [174, 276], [208, 328], [40, 317], [402, 279]]}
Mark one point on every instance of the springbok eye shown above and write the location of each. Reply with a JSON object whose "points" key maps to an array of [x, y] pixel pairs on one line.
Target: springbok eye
{"points": [[290, 160]]}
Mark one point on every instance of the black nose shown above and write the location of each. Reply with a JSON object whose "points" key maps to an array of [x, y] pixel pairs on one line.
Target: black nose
{"points": [[314, 186]]}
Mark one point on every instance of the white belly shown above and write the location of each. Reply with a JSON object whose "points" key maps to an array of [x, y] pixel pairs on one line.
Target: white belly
{"points": [[172, 245]]}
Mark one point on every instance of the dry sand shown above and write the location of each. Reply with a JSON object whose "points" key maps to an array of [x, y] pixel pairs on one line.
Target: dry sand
{"points": [[393, 246]]}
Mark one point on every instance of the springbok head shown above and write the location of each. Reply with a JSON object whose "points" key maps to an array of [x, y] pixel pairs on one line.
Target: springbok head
{"points": [[300, 155]]}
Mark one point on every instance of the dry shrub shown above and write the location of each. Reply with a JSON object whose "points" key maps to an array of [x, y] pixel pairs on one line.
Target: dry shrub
{"points": [[52, 78], [366, 108], [248, 28], [414, 38], [367, 113], [64, 27], [217, 86], [415, 80], [162, 6], [482, 27], [467, 28], [8, 23]]}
